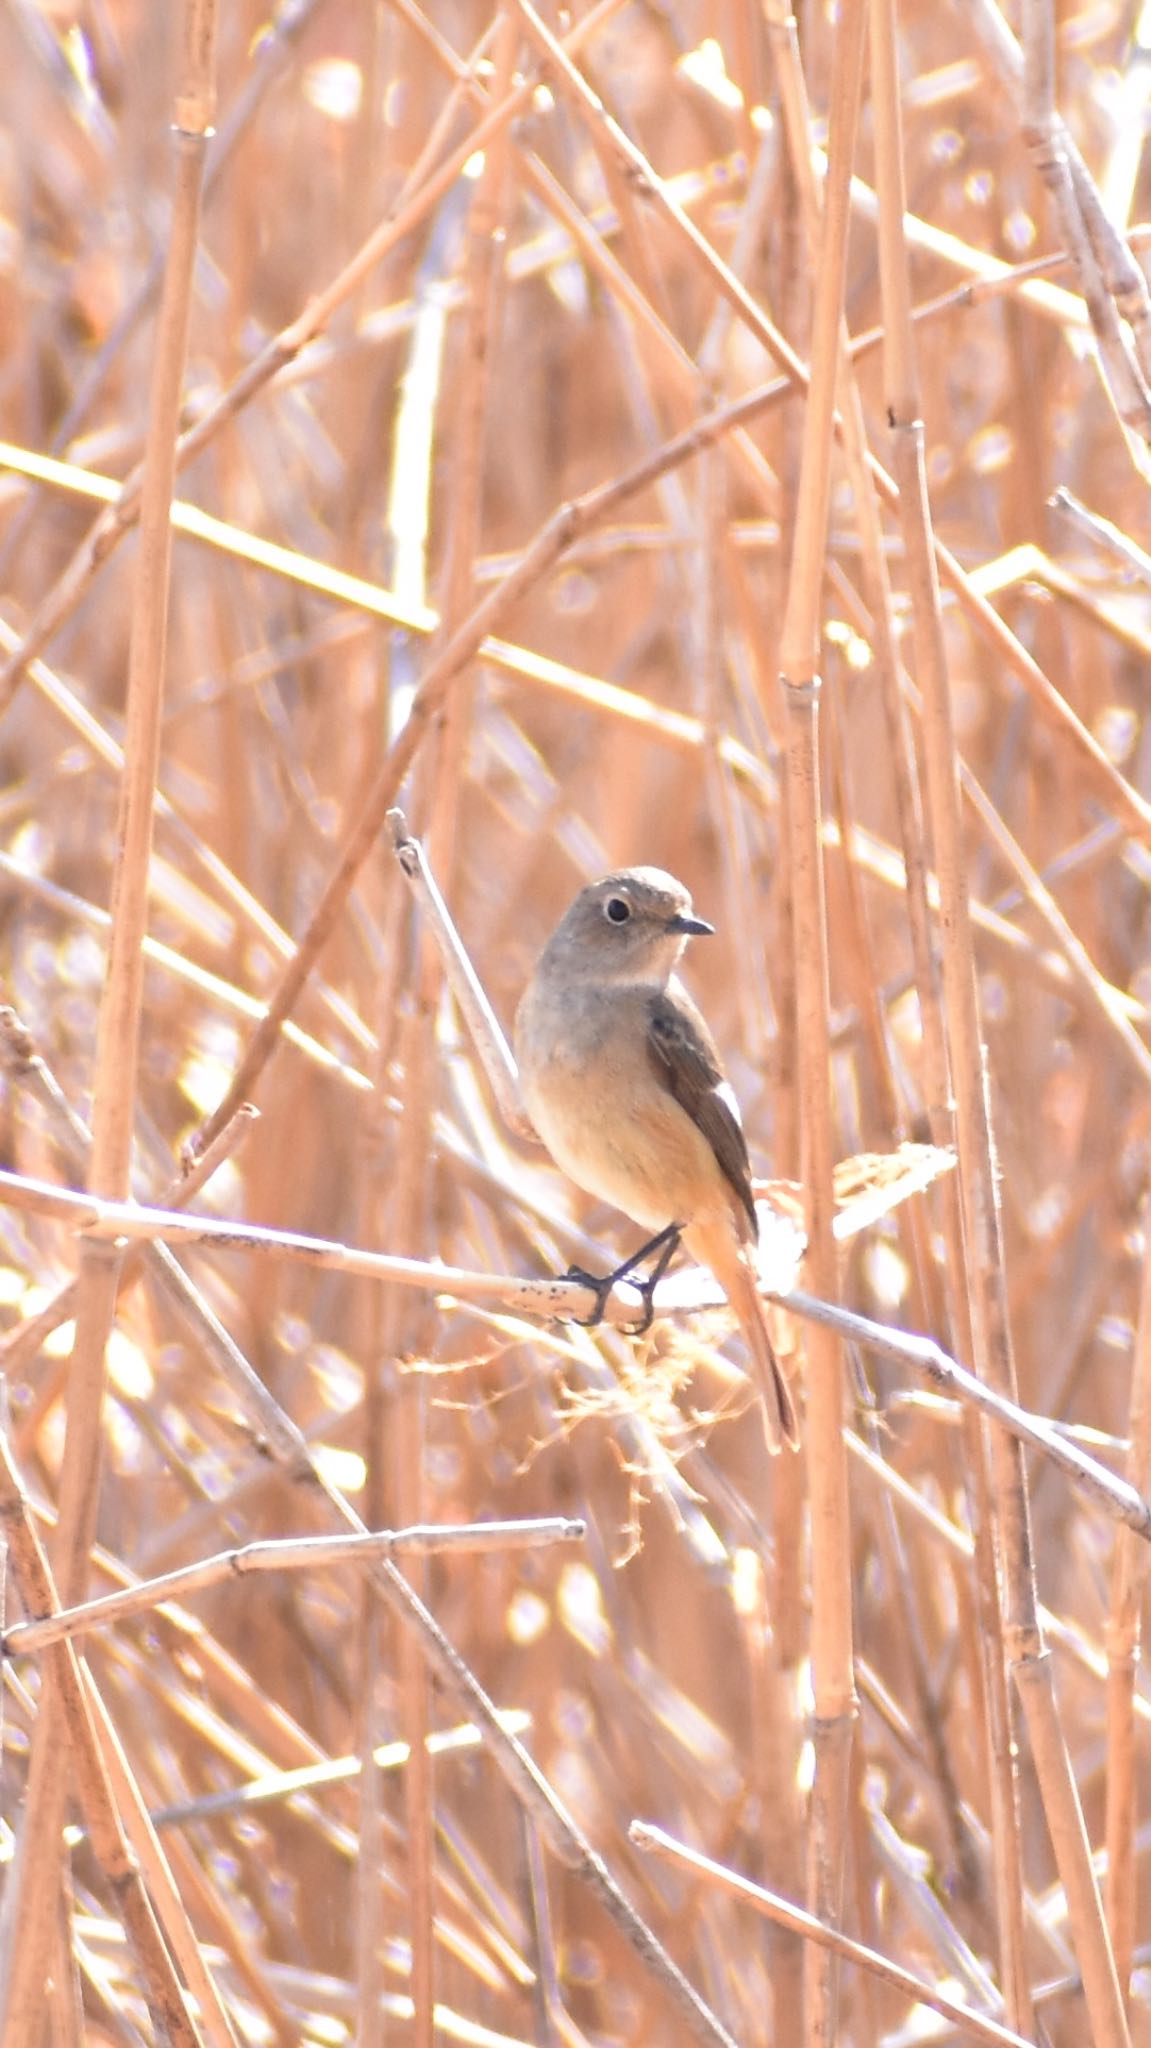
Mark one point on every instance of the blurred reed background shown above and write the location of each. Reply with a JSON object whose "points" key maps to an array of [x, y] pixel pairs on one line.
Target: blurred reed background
{"points": [[434, 296]]}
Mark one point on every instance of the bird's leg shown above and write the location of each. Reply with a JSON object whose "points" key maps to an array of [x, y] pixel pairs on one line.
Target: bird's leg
{"points": [[666, 1244]]}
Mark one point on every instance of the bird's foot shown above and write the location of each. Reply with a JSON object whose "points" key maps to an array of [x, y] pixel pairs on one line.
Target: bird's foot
{"points": [[599, 1284], [665, 1245]]}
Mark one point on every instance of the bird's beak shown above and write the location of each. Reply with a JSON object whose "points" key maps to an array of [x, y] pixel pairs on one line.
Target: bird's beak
{"points": [[693, 927]]}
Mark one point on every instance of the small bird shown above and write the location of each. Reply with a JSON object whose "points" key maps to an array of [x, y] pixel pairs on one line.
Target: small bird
{"points": [[623, 1082]]}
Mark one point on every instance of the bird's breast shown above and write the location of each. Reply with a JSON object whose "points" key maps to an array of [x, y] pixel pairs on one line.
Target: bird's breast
{"points": [[597, 1102]]}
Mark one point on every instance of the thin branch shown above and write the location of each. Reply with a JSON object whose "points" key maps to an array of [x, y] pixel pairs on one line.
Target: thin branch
{"points": [[654, 1840], [568, 1300], [487, 1037], [285, 1554]]}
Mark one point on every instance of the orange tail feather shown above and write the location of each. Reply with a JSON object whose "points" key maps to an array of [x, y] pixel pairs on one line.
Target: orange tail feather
{"points": [[715, 1244]]}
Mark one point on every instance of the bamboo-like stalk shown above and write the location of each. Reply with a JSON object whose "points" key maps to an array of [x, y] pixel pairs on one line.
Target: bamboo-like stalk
{"points": [[155, 1873], [1091, 240], [1128, 1578], [377, 1650], [408, 1329], [303, 1554], [833, 1682], [407, 1333], [823, 1936], [904, 416], [396, 1404], [72, 1705], [118, 1039], [983, 1233], [782, 1831], [29, 1910]]}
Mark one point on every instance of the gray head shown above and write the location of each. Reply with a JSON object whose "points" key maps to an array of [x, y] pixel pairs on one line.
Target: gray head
{"points": [[631, 926]]}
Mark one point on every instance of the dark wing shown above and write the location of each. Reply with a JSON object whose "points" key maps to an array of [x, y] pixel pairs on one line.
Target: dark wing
{"points": [[682, 1051]]}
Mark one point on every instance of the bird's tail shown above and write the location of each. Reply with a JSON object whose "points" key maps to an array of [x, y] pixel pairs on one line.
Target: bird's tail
{"points": [[714, 1244]]}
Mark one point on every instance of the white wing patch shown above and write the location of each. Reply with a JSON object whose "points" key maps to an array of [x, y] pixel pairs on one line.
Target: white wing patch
{"points": [[726, 1094]]}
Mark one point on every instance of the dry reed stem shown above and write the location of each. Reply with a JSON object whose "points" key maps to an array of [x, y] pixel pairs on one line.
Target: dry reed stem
{"points": [[831, 1626], [72, 1701], [285, 1556], [406, 1333], [564, 1298], [395, 1406], [483, 1026], [408, 1330], [157, 1880], [880, 626], [28, 1908], [289, 1784], [983, 1230], [1124, 1632], [977, 1211], [978, 2025], [1113, 287], [981, 1250], [375, 1648]]}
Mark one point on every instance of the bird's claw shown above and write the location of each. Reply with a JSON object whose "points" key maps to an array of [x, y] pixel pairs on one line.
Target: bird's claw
{"points": [[601, 1286]]}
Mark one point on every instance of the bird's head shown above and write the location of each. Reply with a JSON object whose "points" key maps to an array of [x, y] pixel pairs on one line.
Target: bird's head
{"points": [[631, 926]]}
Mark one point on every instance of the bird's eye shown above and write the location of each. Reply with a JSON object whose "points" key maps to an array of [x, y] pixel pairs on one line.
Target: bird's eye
{"points": [[617, 909]]}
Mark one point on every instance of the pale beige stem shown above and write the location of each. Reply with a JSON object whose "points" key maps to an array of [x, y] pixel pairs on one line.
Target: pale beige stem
{"points": [[1124, 1645], [982, 1222], [979, 2025], [29, 1909], [68, 1712], [831, 1623]]}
